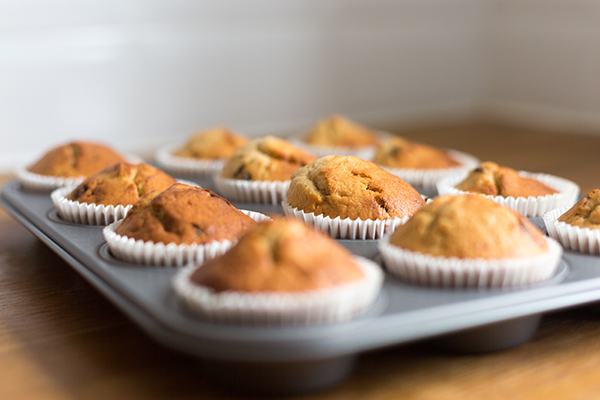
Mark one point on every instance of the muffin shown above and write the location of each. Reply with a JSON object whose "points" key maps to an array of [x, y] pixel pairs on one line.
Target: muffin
{"points": [[337, 135], [531, 195], [469, 241], [107, 195], [491, 179], [67, 165], [577, 228], [180, 224], [340, 189], [217, 142], [261, 170], [281, 271], [398, 152]]}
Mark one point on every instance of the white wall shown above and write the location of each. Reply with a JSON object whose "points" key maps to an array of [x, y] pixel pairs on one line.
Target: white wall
{"points": [[142, 72]]}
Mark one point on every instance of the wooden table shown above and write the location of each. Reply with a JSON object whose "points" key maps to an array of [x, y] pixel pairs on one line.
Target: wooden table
{"points": [[60, 339]]}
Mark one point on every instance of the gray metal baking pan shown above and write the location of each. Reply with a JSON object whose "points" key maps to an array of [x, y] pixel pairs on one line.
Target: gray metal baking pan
{"points": [[289, 360]]}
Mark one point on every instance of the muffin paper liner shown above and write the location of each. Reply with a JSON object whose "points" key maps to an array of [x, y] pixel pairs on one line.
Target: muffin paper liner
{"points": [[526, 206], [264, 192], [453, 272], [173, 164], [346, 228], [84, 213], [161, 254], [46, 183], [275, 308], [576, 238], [428, 178]]}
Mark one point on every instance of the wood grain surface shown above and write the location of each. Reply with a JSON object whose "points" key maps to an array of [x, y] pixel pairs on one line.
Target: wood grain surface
{"points": [[60, 339]]}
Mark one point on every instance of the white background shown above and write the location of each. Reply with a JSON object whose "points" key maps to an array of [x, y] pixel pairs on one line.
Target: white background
{"points": [[140, 73]]}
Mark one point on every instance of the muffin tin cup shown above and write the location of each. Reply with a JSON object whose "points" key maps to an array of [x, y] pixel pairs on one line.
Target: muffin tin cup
{"points": [[526, 206], [84, 213], [149, 253], [428, 178], [262, 192], [44, 183], [204, 168], [277, 308], [583, 240], [452, 272], [346, 228]]}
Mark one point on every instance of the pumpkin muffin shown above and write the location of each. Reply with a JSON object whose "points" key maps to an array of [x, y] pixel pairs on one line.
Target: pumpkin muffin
{"points": [[76, 159], [218, 142], [398, 152], [281, 271], [121, 183], [491, 179]]}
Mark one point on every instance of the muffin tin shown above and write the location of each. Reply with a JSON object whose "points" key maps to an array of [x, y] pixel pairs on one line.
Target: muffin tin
{"points": [[285, 359]]}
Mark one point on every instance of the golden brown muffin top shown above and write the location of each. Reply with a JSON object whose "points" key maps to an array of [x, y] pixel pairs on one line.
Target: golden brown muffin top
{"points": [[491, 179], [339, 131], [469, 226], [398, 152], [215, 143], [266, 159], [121, 184], [184, 214], [585, 213], [282, 255], [349, 187], [76, 159]]}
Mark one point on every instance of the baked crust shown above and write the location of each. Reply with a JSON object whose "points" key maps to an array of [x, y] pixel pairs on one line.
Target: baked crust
{"points": [[398, 152], [282, 255], [585, 213], [469, 226], [491, 179], [184, 214], [75, 159], [266, 159], [337, 130], [121, 184], [349, 187], [218, 142]]}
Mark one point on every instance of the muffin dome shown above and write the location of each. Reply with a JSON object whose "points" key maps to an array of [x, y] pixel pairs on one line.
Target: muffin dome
{"points": [[491, 179], [121, 184], [585, 213], [469, 226], [398, 152], [266, 159], [349, 187], [217, 142], [76, 159], [184, 214], [339, 131]]}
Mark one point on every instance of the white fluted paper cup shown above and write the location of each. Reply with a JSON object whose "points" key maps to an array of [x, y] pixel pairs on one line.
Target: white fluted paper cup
{"points": [[428, 178], [572, 237], [452, 272], [150, 253], [244, 191], [173, 164], [526, 206], [275, 308], [346, 228], [84, 213]]}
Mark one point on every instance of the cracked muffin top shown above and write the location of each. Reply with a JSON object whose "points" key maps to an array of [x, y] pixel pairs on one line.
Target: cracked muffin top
{"points": [[492, 179], [469, 226], [184, 214], [398, 152], [282, 255], [266, 159], [217, 142], [585, 213], [121, 184], [75, 159], [349, 187], [339, 131]]}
